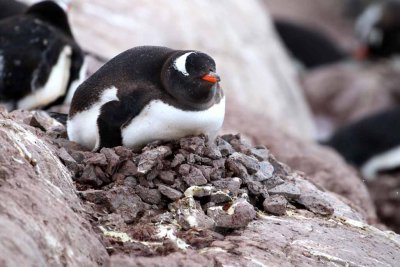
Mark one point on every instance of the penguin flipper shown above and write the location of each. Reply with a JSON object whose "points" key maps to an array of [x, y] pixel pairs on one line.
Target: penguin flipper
{"points": [[114, 115]]}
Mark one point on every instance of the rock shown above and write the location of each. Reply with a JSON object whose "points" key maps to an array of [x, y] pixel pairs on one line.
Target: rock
{"points": [[125, 202], [151, 196], [169, 192], [190, 214], [220, 197], [194, 177], [198, 191], [69, 161], [316, 204], [256, 188], [112, 160], [96, 159], [250, 163], [193, 144], [288, 190], [42, 218], [224, 147], [178, 159], [44, 122], [230, 184], [150, 158], [167, 177], [261, 153], [89, 176], [128, 168], [275, 204], [239, 214]]}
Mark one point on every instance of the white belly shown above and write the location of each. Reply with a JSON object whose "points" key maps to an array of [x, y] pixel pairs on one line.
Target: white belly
{"points": [[82, 128], [160, 121], [55, 86]]}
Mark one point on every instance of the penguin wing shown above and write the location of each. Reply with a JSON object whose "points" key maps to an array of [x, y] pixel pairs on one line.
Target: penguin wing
{"points": [[115, 115]]}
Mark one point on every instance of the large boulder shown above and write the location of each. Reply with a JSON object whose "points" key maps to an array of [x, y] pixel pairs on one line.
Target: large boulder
{"points": [[181, 203], [254, 68]]}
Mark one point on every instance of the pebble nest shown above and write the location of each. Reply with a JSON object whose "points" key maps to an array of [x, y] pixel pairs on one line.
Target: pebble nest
{"points": [[180, 194]]}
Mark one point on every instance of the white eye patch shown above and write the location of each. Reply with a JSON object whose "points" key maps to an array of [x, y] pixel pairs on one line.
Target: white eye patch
{"points": [[365, 23], [180, 63]]}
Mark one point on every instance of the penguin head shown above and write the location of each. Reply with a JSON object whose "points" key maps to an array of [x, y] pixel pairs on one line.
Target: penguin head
{"points": [[378, 28], [53, 13], [191, 78]]}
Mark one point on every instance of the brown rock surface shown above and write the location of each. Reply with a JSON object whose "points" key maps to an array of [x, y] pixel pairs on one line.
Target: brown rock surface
{"points": [[321, 165], [317, 228], [41, 216]]}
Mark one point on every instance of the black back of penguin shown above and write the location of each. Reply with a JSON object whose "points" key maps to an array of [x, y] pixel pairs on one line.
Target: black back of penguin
{"points": [[362, 140], [10, 8], [311, 47], [30, 46]]}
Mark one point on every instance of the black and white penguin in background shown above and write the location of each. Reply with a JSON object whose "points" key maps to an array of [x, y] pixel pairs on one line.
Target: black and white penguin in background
{"points": [[372, 144], [378, 29], [309, 47], [144, 94], [40, 62]]}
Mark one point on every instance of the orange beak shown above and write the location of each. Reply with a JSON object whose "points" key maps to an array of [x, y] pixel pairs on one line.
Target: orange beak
{"points": [[361, 53], [211, 77]]}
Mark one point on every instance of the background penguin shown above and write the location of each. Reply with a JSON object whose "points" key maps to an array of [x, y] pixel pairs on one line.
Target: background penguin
{"points": [[371, 144], [378, 28], [40, 63], [10, 8], [308, 46], [144, 94]]}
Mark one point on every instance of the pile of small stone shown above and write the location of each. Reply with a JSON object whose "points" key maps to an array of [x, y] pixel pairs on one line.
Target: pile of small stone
{"points": [[210, 186]]}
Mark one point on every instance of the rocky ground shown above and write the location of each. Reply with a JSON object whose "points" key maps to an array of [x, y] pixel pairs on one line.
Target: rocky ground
{"points": [[183, 203]]}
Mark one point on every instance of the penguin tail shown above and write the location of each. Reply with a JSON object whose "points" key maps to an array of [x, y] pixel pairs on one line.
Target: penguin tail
{"points": [[60, 117]]}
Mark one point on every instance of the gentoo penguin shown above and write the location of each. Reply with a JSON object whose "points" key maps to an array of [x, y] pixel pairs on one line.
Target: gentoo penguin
{"points": [[378, 28], [310, 47], [144, 94], [10, 8], [372, 144], [40, 62]]}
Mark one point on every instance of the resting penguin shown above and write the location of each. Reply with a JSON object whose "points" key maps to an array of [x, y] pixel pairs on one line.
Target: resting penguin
{"points": [[40, 63], [378, 28], [144, 94], [310, 47], [371, 144]]}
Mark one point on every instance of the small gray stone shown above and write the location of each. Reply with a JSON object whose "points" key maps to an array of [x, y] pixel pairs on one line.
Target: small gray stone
{"points": [[261, 153], [288, 190], [151, 196], [190, 214], [178, 159], [212, 152], [256, 188], [167, 177], [224, 147], [316, 204], [231, 184], [220, 197], [238, 215], [169, 192], [275, 205], [194, 177], [250, 163], [130, 181], [96, 159], [150, 158], [193, 144], [273, 182]]}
